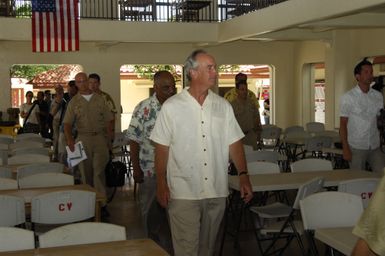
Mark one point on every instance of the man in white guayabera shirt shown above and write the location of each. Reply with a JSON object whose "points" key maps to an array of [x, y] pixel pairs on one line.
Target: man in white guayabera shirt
{"points": [[358, 121], [194, 135]]}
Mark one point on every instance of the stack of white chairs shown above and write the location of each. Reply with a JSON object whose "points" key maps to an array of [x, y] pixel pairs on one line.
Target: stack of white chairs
{"points": [[16, 239], [329, 210], [276, 220], [364, 188], [82, 233]]}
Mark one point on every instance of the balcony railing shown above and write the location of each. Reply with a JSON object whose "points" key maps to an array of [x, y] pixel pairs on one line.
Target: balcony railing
{"points": [[150, 10]]}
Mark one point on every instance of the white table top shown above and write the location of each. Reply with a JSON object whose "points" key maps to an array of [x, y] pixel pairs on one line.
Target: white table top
{"points": [[340, 239], [288, 180], [138, 247]]}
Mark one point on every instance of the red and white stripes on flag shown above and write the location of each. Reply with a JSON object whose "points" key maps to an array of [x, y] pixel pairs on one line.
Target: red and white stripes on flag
{"points": [[55, 25]]}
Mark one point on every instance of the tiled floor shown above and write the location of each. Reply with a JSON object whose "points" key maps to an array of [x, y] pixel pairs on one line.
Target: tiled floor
{"points": [[124, 211]]}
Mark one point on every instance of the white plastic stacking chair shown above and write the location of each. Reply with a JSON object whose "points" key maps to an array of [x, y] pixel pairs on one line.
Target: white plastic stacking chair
{"points": [[311, 164], [329, 210], [24, 136], [315, 127], [26, 144], [12, 211], [31, 169], [313, 146], [16, 239], [62, 207], [31, 138], [288, 228], [5, 172], [20, 151], [4, 146], [263, 155], [270, 137], [43, 180], [248, 148], [259, 167], [364, 188], [6, 140], [293, 129], [8, 183], [82, 233], [28, 159]]}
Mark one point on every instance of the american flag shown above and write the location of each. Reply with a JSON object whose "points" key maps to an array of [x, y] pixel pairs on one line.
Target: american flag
{"points": [[55, 25]]}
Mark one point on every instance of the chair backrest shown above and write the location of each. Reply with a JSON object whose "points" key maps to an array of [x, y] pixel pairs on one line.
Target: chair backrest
{"points": [[311, 164], [262, 155], [248, 148], [28, 159], [4, 146], [31, 138], [5, 172], [22, 151], [308, 188], [270, 132], [82, 233], [316, 143], [12, 211], [8, 183], [63, 207], [330, 210], [259, 167], [315, 127], [120, 139], [26, 136], [16, 239], [293, 129], [26, 144], [6, 140], [47, 179], [364, 188], [31, 169]]}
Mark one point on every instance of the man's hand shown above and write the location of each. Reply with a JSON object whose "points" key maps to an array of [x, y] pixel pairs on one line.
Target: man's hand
{"points": [[245, 188], [138, 176], [347, 154], [71, 144], [162, 193]]}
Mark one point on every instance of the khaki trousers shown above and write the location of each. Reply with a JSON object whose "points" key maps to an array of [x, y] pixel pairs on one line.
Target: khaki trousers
{"points": [[195, 224], [92, 168]]}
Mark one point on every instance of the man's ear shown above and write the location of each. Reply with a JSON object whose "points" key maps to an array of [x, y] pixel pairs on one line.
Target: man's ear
{"points": [[357, 76]]}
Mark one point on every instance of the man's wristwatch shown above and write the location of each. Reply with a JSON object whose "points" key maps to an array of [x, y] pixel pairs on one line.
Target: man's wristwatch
{"points": [[243, 173]]}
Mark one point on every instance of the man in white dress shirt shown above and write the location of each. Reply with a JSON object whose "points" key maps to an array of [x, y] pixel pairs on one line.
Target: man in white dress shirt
{"points": [[358, 121], [194, 135]]}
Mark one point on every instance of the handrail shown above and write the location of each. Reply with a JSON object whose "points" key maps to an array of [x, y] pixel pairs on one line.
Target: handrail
{"points": [[150, 10]]}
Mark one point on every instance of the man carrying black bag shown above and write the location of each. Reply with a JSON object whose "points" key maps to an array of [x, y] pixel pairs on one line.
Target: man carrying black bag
{"points": [[142, 157]]}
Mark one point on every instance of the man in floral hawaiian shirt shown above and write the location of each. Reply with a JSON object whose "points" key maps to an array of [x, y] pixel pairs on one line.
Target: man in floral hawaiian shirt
{"points": [[142, 150]]}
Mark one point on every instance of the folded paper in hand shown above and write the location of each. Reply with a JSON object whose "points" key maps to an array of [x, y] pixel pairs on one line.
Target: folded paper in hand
{"points": [[78, 155]]}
